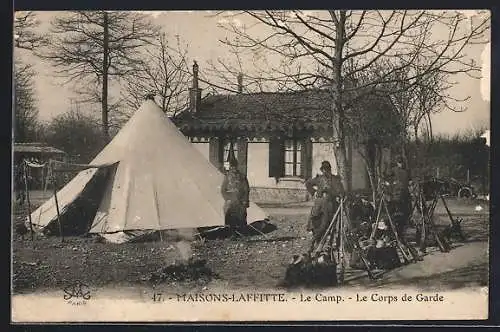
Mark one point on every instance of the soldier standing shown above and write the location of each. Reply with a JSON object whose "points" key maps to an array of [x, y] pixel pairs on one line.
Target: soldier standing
{"points": [[400, 203], [327, 197], [235, 191]]}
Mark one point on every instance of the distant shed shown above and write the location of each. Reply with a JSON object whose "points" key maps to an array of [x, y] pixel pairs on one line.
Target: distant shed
{"points": [[39, 152]]}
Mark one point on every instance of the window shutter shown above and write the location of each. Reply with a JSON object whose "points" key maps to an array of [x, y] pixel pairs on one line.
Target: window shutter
{"points": [[214, 152], [242, 155], [306, 166], [276, 158]]}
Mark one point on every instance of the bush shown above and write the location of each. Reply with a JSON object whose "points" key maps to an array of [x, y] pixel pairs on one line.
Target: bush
{"points": [[452, 157], [76, 133]]}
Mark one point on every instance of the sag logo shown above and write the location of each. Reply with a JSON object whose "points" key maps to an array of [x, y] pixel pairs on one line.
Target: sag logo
{"points": [[77, 290]]}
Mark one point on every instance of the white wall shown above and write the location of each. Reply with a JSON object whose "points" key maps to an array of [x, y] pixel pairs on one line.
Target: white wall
{"points": [[323, 151], [258, 164], [203, 148]]}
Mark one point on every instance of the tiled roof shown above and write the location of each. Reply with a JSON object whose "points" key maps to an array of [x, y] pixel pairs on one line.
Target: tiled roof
{"points": [[283, 111], [36, 148]]}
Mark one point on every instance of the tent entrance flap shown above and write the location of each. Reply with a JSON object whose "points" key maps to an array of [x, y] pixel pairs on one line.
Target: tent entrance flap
{"points": [[78, 216]]}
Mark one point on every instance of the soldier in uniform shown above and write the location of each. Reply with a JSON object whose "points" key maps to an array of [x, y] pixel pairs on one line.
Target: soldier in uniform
{"points": [[235, 191], [400, 202], [328, 192]]}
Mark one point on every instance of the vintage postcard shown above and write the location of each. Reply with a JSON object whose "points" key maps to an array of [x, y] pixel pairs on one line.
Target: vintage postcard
{"points": [[226, 166]]}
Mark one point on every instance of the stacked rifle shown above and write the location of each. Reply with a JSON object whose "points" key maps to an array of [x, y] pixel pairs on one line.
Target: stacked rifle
{"points": [[341, 240], [383, 248], [375, 245], [405, 250], [426, 195]]}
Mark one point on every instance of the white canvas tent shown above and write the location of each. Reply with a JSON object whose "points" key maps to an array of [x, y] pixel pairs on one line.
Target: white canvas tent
{"points": [[148, 178]]}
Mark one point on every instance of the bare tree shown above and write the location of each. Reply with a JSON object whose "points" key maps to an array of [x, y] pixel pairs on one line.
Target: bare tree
{"points": [[25, 35], [94, 48], [432, 97], [330, 48], [164, 73], [26, 124], [414, 103], [76, 133], [223, 75], [25, 107]]}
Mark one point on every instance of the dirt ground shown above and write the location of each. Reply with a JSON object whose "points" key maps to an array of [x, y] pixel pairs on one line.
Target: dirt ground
{"points": [[257, 262]]}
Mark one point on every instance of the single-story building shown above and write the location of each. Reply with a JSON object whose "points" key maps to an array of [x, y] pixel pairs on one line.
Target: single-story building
{"points": [[280, 139], [39, 152]]}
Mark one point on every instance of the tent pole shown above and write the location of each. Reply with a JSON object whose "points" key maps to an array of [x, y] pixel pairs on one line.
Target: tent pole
{"points": [[57, 205], [25, 166]]}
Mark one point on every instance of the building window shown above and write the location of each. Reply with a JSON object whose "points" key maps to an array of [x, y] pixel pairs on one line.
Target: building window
{"points": [[225, 154], [290, 158], [293, 158]]}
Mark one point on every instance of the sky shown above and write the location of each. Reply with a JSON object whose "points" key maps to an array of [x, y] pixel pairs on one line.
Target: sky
{"points": [[201, 31]]}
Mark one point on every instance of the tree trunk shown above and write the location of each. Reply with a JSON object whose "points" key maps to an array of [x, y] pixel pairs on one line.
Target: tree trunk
{"points": [[418, 153], [338, 117], [104, 100], [380, 169], [371, 171], [404, 151], [340, 147]]}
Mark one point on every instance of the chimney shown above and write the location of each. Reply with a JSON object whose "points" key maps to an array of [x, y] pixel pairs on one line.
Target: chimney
{"points": [[240, 83], [194, 91]]}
